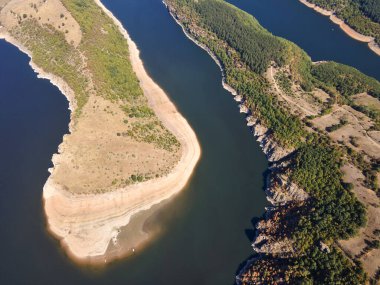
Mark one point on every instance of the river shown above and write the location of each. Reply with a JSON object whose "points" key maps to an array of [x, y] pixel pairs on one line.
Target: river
{"points": [[206, 230], [313, 32]]}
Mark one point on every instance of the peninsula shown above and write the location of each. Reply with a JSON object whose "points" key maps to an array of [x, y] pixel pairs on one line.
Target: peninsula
{"points": [[318, 124], [128, 148]]}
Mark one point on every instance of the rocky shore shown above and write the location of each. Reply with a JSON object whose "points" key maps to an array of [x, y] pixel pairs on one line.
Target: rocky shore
{"points": [[280, 191], [271, 236]]}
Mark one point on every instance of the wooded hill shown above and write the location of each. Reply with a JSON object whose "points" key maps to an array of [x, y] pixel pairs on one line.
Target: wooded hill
{"points": [[362, 15], [246, 50]]}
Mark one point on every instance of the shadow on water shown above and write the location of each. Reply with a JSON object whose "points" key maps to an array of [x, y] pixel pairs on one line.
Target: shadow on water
{"points": [[252, 232]]}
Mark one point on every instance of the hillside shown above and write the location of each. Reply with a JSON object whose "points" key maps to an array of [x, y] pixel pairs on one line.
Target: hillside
{"points": [[362, 15], [128, 147], [314, 129]]}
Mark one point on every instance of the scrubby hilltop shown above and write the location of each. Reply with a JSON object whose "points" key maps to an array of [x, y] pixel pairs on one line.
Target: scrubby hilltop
{"points": [[128, 146]]}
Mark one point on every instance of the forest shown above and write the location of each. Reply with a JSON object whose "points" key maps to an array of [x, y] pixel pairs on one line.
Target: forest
{"points": [[362, 15], [345, 81], [371, 8], [246, 50]]}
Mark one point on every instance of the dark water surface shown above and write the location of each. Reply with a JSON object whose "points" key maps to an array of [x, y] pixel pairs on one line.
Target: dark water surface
{"points": [[313, 32], [205, 227], [204, 238]]}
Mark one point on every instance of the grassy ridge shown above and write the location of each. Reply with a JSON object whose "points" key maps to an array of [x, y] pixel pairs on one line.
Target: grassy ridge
{"points": [[99, 66], [106, 51], [52, 53], [113, 77]]}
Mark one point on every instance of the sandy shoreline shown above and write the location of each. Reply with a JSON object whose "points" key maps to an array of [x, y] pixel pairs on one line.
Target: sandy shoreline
{"points": [[347, 29], [86, 224]]}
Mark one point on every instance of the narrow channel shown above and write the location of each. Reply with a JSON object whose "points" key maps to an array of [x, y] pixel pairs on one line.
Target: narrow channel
{"points": [[313, 32], [206, 230]]}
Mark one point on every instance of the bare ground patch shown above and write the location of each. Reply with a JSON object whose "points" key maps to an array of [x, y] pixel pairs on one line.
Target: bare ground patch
{"points": [[353, 133], [99, 155], [359, 247], [298, 102], [50, 12], [366, 100]]}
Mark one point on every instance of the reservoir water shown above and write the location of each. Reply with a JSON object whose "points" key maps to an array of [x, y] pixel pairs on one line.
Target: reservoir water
{"points": [[313, 32], [206, 229]]}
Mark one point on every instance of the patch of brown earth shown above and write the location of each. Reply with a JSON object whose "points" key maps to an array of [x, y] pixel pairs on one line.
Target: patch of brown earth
{"points": [[353, 133], [321, 95], [99, 156], [359, 247], [299, 103], [364, 99], [50, 12]]}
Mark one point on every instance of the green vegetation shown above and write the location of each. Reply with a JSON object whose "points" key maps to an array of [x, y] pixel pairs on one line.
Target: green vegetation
{"points": [[336, 213], [335, 127], [99, 65], [113, 75], [137, 178], [346, 80], [139, 112], [51, 52], [154, 132], [371, 8], [246, 51], [327, 268], [372, 112], [369, 169], [284, 82], [254, 47], [362, 15], [287, 129], [107, 53]]}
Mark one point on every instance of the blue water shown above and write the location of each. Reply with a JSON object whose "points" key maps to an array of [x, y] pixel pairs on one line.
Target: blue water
{"points": [[207, 228], [33, 118], [313, 32]]}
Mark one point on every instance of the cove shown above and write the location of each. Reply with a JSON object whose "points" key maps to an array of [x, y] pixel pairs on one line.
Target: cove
{"points": [[34, 116], [314, 33]]}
